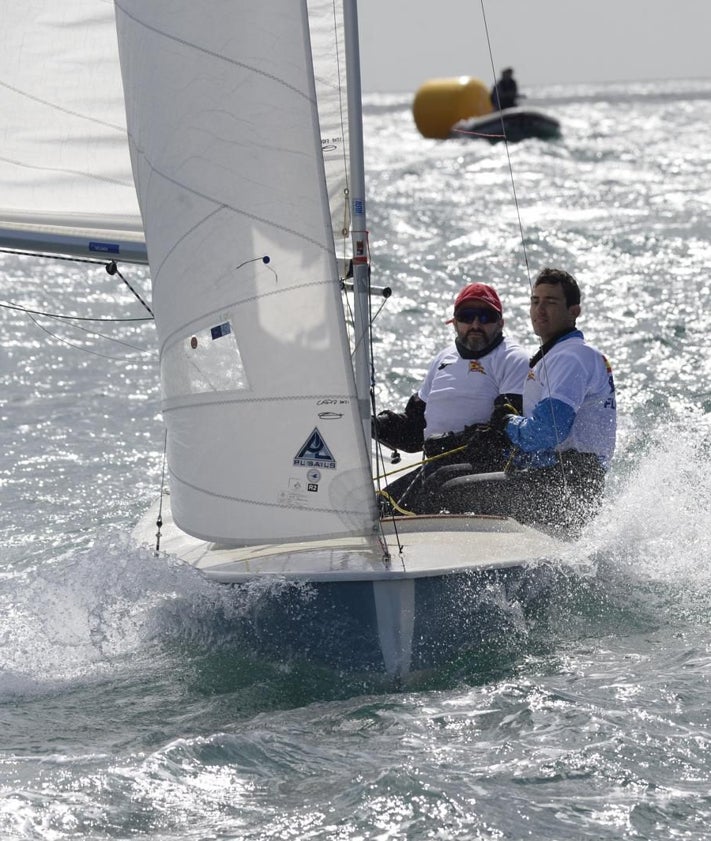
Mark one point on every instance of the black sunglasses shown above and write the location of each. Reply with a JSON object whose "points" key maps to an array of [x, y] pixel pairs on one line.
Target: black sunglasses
{"points": [[467, 316]]}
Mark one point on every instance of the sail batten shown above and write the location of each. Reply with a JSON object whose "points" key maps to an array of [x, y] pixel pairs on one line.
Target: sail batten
{"points": [[265, 442]]}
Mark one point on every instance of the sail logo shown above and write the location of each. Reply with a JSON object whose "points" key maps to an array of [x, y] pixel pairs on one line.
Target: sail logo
{"points": [[314, 452], [104, 247]]}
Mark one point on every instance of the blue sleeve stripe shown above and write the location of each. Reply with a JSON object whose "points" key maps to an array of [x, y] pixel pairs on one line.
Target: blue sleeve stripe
{"points": [[548, 426]]}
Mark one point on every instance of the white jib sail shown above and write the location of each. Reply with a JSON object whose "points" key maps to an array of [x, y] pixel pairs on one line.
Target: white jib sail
{"points": [[64, 164], [265, 443]]}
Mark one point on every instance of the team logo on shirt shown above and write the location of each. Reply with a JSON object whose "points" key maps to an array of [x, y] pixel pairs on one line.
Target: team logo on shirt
{"points": [[530, 375], [475, 365]]}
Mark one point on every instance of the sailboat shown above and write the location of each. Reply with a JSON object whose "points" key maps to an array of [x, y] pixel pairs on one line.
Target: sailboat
{"points": [[245, 135]]}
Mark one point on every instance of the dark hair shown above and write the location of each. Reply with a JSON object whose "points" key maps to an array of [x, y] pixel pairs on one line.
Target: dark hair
{"points": [[571, 290]]}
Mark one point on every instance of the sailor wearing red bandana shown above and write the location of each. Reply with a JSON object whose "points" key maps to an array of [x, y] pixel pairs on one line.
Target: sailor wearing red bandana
{"points": [[481, 369]]}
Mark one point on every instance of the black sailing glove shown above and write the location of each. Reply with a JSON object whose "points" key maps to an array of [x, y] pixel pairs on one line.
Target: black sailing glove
{"points": [[384, 424], [503, 411], [402, 430]]}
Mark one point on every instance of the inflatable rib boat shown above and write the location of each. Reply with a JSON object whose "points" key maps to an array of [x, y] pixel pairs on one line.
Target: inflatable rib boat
{"points": [[513, 124]]}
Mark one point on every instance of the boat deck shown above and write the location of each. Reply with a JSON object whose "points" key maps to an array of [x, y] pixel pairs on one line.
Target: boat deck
{"points": [[416, 547]]}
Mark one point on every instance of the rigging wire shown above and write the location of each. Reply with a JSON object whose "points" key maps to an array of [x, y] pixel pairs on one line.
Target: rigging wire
{"points": [[508, 155], [10, 306], [520, 223], [379, 457], [111, 269], [80, 347], [159, 519], [346, 236], [64, 257], [328, 144]]}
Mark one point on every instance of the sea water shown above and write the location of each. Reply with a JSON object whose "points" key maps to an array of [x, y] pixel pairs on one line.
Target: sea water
{"points": [[131, 707]]}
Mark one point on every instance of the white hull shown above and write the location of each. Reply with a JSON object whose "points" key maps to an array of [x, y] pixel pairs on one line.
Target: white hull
{"points": [[429, 552]]}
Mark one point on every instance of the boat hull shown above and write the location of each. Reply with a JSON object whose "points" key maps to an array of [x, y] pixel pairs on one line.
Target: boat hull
{"points": [[423, 591], [515, 123], [399, 627]]}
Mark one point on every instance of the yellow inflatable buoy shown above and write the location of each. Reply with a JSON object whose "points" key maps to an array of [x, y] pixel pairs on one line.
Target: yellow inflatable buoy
{"points": [[440, 103]]}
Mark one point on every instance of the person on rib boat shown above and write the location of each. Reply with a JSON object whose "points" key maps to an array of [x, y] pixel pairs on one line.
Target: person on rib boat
{"points": [[504, 94], [565, 437], [480, 370]]}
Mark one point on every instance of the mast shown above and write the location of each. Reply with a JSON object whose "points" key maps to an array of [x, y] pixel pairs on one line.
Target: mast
{"points": [[254, 455], [359, 231]]}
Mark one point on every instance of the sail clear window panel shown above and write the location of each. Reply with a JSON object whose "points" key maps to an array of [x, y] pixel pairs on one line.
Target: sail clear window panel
{"points": [[206, 360]]}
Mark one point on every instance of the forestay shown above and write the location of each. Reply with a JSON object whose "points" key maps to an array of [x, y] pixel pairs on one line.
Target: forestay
{"points": [[265, 442]]}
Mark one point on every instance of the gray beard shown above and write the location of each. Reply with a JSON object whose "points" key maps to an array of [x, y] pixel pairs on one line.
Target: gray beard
{"points": [[468, 353]]}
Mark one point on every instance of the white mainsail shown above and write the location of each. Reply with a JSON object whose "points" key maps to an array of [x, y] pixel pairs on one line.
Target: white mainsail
{"points": [[265, 438], [64, 163]]}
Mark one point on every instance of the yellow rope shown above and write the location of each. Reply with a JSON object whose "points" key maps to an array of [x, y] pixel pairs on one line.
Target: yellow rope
{"points": [[420, 463], [394, 504], [404, 511], [390, 499]]}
